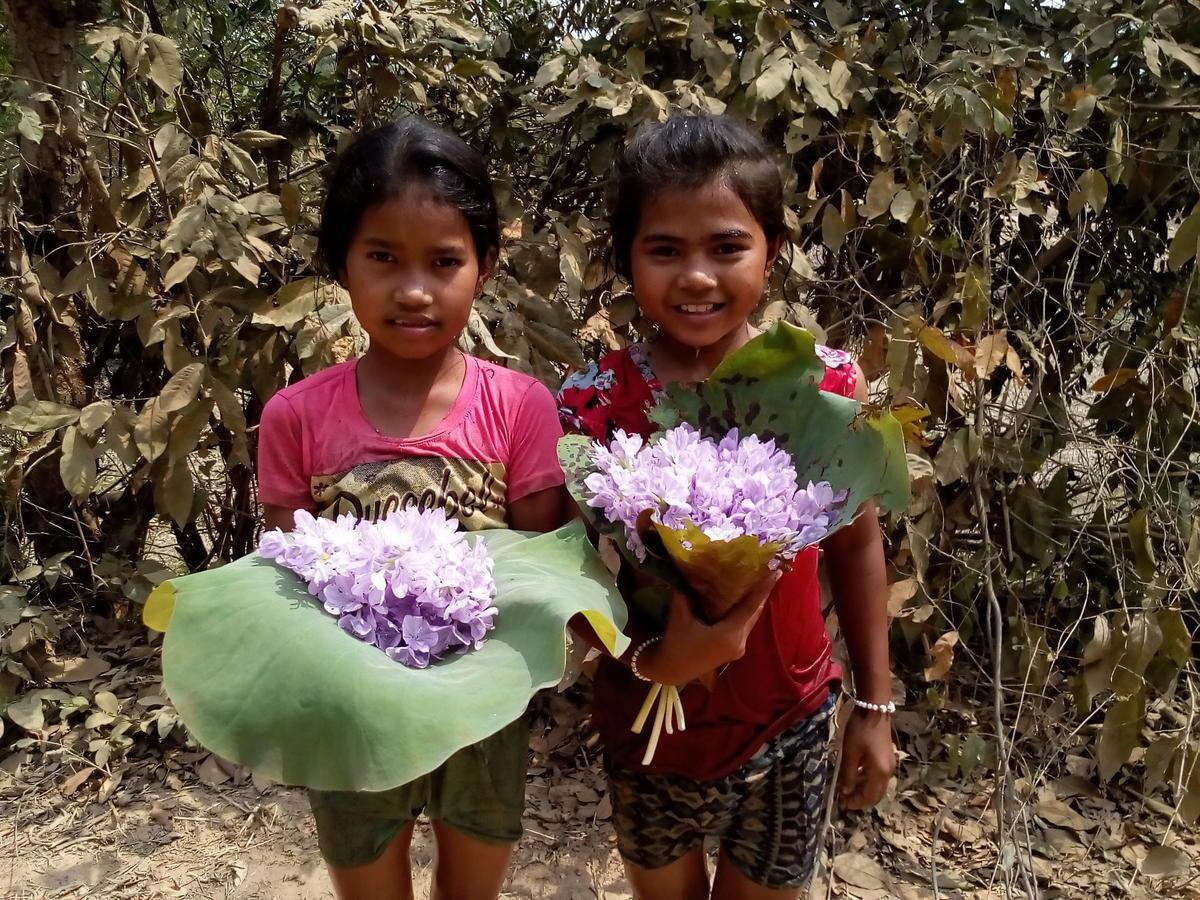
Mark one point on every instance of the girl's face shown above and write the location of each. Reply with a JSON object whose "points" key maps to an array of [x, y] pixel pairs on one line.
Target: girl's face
{"points": [[699, 261], [412, 274]]}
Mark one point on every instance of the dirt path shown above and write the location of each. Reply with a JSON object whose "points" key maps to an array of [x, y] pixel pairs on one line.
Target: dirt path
{"points": [[178, 823], [152, 839]]}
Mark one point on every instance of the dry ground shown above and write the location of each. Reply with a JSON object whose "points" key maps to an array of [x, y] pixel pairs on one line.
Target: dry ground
{"points": [[167, 820]]}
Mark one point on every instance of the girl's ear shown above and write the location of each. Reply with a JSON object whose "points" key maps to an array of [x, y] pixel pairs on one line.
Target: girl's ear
{"points": [[773, 250], [487, 266]]}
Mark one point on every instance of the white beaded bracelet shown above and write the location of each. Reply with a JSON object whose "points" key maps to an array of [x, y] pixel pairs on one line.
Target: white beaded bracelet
{"points": [[633, 660], [889, 708]]}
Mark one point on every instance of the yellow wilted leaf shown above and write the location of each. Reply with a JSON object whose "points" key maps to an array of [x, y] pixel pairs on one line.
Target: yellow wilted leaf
{"points": [[160, 604], [942, 654], [941, 346], [720, 571], [1013, 361], [1114, 379]]}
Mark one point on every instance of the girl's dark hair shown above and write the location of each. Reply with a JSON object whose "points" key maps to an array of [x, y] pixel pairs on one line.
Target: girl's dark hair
{"points": [[383, 163], [687, 151]]}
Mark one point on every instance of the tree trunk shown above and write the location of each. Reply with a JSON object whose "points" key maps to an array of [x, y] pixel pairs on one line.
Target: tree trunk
{"points": [[44, 37]]}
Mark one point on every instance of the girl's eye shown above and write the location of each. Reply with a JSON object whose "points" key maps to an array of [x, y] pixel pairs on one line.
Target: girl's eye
{"points": [[662, 250], [446, 262], [730, 248], [380, 256]]}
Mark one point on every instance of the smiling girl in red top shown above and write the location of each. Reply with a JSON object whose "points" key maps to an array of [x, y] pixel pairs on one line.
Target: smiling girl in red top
{"points": [[697, 225]]}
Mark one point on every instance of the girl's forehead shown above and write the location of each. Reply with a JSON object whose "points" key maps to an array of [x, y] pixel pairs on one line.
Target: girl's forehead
{"points": [[711, 206], [417, 205]]}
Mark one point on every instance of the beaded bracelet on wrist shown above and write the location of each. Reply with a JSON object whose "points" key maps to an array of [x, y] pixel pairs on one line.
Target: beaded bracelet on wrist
{"points": [[888, 708], [633, 660]]}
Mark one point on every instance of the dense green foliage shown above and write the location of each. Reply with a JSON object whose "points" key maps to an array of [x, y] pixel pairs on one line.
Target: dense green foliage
{"points": [[994, 204]]}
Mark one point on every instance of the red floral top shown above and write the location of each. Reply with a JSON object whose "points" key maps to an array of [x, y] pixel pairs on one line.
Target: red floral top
{"points": [[787, 670]]}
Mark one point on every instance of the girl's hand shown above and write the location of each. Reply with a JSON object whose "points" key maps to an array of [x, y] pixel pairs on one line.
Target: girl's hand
{"points": [[691, 648], [868, 759]]}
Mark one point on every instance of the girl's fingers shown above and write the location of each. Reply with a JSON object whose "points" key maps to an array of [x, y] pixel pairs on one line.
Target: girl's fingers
{"points": [[874, 786], [750, 607], [849, 773], [868, 790], [862, 782]]}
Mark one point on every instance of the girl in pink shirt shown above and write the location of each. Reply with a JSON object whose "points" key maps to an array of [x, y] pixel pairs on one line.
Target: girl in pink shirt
{"points": [[409, 228]]}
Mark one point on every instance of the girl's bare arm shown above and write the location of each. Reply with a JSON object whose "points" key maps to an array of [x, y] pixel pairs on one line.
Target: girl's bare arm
{"points": [[281, 517]]}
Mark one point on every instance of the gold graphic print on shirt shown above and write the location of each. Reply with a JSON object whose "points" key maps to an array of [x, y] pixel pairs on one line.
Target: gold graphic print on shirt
{"points": [[469, 490]]}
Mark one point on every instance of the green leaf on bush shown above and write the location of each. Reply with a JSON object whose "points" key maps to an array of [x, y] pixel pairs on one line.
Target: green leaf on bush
{"points": [[182, 388], [771, 387], [27, 712], [1120, 733], [40, 415], [77, 464]]}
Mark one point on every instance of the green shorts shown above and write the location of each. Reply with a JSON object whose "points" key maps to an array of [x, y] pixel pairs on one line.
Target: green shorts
{"points": [[480, 791]]}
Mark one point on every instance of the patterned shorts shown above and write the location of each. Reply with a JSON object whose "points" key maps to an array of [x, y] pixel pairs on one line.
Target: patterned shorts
{"points": [[767, 815]]}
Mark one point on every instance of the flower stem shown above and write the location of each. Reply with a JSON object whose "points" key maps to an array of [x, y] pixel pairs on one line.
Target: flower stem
{"points": [[640, 722]]}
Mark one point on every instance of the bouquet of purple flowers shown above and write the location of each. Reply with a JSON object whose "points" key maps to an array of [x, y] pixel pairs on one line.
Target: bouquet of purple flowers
{"points": [[750, 467], [409, 584], [724, 511]]}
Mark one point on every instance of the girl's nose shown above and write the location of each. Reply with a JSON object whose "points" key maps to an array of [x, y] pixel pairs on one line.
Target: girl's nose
{"points": [[412, 294], [696, 279]]}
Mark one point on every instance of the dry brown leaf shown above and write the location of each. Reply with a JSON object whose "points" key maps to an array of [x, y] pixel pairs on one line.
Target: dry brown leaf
{"points": [[1073, 786], [942, 655], [72, 784], [1165, 862], [604, 808], [861, 871], [1114, 379], [211, 773], [899, 593], [1058, 813], [109, 786], [965, 832], [990, 351], [73, 669]]}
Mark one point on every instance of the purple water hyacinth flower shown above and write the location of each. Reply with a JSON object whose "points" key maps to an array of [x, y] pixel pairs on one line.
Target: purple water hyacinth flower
{"points": [[409, 584], [728, 488], [834, 359]]}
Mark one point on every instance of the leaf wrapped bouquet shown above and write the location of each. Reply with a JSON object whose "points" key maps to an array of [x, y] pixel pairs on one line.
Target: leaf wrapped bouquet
{"points": [[752, 466]]}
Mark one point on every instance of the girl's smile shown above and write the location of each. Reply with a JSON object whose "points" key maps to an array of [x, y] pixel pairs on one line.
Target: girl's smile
{"points": [[698, 262]]}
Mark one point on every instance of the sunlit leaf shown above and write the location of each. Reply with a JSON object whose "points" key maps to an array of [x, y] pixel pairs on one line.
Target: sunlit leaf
{"points": [[77, 464], [166, 65]]}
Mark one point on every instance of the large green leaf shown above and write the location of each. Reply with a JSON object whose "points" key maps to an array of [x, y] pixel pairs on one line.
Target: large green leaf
{"points": [[261, 675]]}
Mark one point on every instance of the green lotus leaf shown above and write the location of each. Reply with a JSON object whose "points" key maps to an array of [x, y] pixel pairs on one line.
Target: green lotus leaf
{"points": [[260, 674]]}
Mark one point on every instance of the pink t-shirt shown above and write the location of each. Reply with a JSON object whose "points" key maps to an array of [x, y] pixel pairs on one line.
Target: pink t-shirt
{"points": [[317, 451]]}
